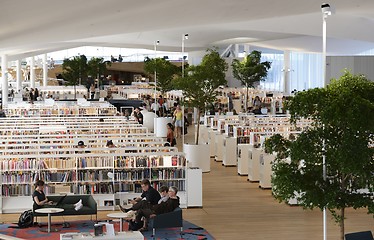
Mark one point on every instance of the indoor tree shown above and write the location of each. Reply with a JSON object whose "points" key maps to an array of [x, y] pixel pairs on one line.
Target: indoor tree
{"points": [[96, 67], [201, 81], [75, 71], [343, 133], [165, 72], [250, 71]]}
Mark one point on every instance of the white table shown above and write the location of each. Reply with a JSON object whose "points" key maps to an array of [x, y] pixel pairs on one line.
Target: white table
{"points": [[121, 216], [135, 235], [49, 211]]}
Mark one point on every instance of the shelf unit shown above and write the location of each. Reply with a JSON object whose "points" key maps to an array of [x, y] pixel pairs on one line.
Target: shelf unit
{"points": [[41, 150]]}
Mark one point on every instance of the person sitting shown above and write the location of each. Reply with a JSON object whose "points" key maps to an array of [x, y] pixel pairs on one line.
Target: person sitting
{"points": [[149, 197], [170, 135], [164, 207], [41, 201]]}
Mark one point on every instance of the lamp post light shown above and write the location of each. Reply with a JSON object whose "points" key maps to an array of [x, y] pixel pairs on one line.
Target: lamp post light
{"points": [[326, 11], [184, 37], [156, 43]]}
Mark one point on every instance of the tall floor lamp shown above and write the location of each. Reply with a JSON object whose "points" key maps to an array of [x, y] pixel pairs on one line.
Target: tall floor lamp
{"points": [[326, 11], [184, 37], [156, 43]]}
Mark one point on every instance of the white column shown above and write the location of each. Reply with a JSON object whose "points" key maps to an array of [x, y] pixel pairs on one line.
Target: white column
{"points": [[246, 48], [45, 70], [236, 53], [18, 76], [4, 82], [286, 72], [32, 72]]}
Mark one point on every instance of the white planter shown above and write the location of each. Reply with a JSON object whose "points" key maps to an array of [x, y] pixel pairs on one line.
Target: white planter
{"points": [[198, 156], [160, 126], [148, 120]]}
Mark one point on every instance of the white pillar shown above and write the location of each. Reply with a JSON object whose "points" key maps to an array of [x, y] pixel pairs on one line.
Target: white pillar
{"points": [[286, 72], [45, 70], [32, 72], [4, 82], [18, 76], [246, 48], [236, 53]]}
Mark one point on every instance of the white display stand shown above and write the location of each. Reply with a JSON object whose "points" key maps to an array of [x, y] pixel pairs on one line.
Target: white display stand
{"points": [[254, 165], [243, 158], [135, 235], [237, 105], [148, 120], [229, 151], [219, 147], [197, 156], [212, 142], [203, 134], [265, 170], [160, 128], [194, 187]]}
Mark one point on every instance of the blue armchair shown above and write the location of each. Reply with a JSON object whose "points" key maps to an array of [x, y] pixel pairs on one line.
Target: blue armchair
{"points": [[359, 236], [167, 220]]}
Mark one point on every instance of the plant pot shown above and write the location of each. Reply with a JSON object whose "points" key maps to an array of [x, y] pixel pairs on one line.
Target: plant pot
{"points": [[160, 129], [198, 156]]}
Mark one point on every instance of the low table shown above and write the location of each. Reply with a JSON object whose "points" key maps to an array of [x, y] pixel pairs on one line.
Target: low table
{"points": [[49, 211], [135, 235], [121, 216]]}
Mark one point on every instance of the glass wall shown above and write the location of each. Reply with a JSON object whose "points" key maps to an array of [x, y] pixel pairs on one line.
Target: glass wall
{"points": [[306, 71], [274, 80]]}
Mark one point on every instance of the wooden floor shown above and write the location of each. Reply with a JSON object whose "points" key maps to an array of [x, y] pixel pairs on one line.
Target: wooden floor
{"points": [[234, 208]]}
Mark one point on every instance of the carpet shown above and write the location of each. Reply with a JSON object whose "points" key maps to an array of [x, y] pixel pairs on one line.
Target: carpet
{"points": [[190, 231]]}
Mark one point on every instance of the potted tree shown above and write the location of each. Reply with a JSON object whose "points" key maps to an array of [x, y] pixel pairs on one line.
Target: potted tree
{"points": [[77, 69], [250, 71], [329, 165], [165, 73], [199, 89]]}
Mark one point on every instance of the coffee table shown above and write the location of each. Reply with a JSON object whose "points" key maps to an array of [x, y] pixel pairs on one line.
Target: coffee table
{"points": [[49, 211], [121, 216]]}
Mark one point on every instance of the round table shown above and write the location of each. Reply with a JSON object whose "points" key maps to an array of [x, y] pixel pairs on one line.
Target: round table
{"points": [[49, 211], [121, 216]]}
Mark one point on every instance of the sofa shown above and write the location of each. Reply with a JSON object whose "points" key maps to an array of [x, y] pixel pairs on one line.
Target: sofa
{"points": [[167, 220], [89, 205]]}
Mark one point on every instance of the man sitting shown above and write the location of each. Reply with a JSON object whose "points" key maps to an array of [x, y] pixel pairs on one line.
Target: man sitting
{"points": [[164, 207]]}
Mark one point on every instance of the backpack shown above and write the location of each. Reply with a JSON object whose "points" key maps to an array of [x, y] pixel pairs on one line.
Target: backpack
{"points": [[26, 219]]}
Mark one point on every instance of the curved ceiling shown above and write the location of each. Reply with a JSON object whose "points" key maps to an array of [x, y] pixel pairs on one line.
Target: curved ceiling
{"points": [[30, 28]]}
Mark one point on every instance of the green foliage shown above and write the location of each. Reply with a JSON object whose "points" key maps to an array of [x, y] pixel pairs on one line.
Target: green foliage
{"points": [[251, 70], [97, 66], [165, 72], [343, 132], [74, 70], [200, 82], [77, 69]]}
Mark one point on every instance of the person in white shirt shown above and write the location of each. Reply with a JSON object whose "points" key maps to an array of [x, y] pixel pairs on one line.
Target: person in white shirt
{"points": [[155, 108]]}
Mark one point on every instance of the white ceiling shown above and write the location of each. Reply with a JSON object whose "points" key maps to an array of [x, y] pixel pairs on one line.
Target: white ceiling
{"points": [[34, 27]]}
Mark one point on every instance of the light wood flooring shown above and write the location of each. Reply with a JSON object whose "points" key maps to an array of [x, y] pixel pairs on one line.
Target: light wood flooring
{"points": [[234, 208]]}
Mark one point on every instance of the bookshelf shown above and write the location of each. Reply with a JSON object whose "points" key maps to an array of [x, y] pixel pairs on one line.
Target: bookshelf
{"points": [[42, 149]]}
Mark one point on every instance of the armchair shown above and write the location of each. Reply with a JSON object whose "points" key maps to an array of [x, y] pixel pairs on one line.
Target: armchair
{"points": [[167, 220], [359, 236]]}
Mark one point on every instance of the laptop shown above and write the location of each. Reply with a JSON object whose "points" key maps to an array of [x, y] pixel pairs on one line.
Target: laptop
{"points": [[59, 201]]}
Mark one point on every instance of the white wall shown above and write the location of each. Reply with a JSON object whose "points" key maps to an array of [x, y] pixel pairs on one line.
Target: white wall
{"points": [[355, 64]]}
